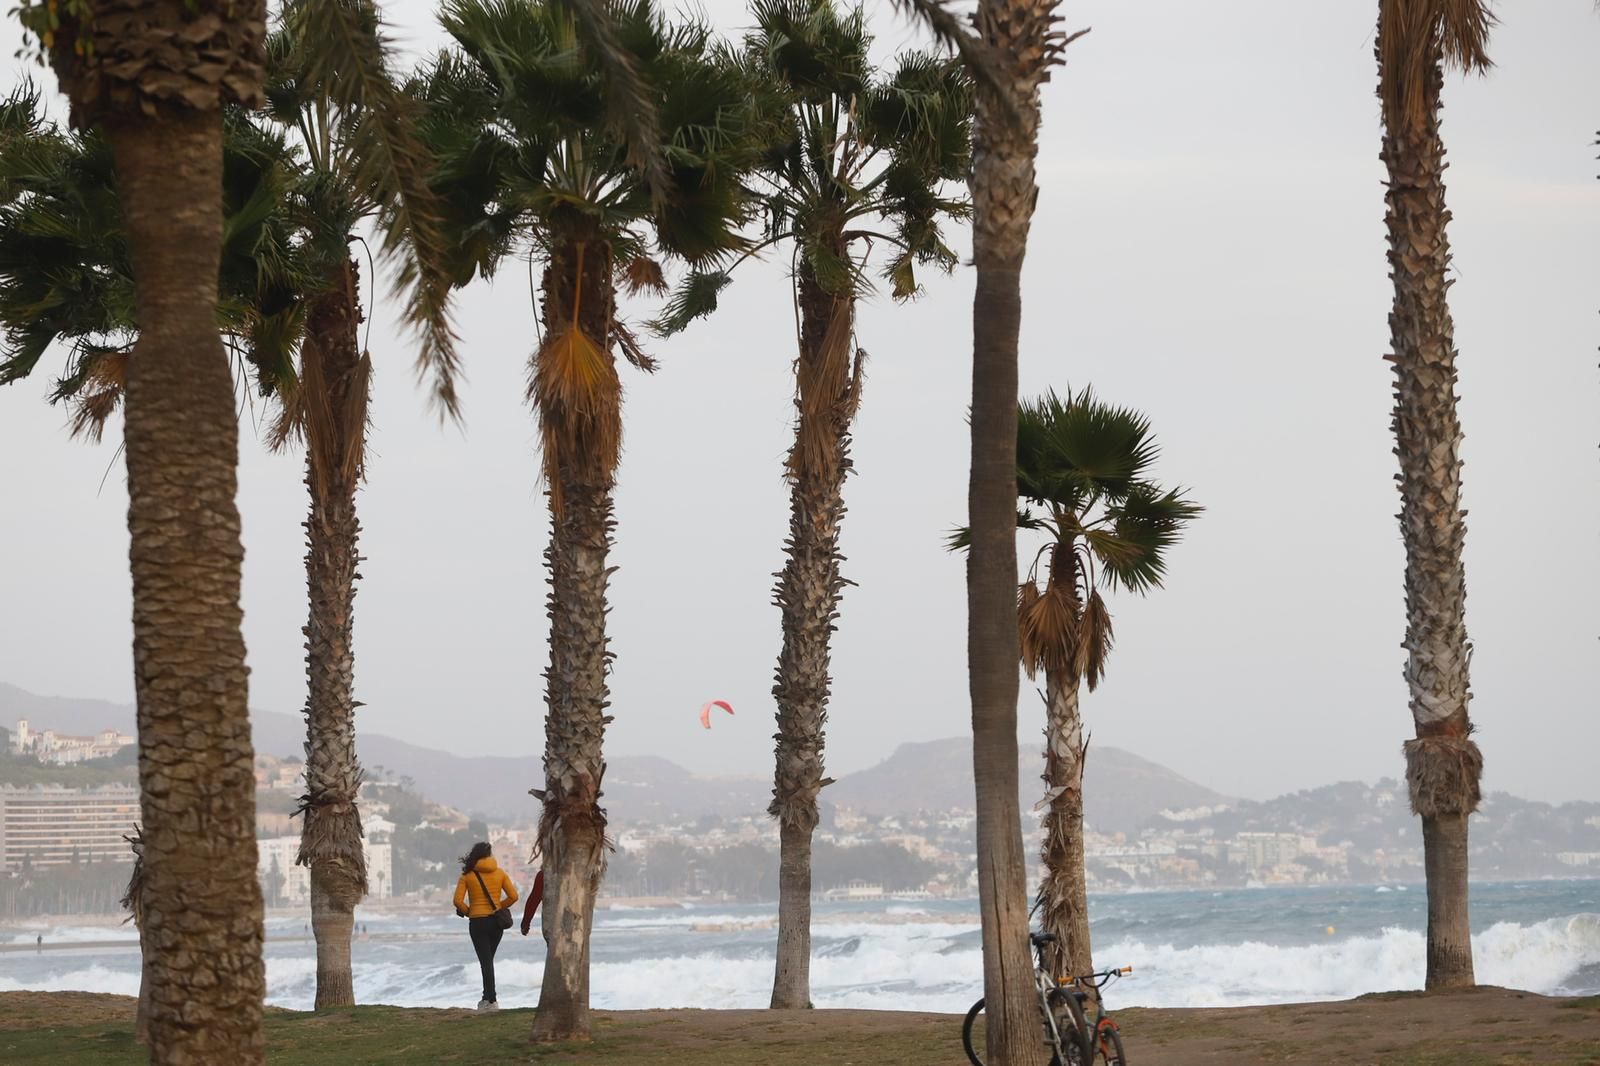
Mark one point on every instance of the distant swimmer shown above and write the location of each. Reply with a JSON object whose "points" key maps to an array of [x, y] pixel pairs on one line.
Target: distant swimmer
{"points": [[38, 943]]}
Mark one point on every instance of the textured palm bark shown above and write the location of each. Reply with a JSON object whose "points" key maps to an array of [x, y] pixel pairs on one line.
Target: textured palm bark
{"points": [[1063, 895], [827, 377], [1003, 193], [201, 901], [1443, 765], [333, 381], [572, 828]]}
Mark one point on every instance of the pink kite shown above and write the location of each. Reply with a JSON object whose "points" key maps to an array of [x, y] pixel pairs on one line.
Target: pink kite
{"points": [[705, 712]]}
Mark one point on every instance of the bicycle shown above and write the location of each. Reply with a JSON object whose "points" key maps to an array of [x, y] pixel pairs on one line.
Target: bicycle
{"points": [[1067, 1033]]}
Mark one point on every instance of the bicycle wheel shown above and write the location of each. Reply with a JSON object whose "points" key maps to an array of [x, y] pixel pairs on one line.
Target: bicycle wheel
{"points": [[1073, 1029], [975, 1033], [1109, 1045]]}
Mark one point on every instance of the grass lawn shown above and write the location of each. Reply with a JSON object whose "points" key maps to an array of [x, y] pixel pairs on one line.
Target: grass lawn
{"points": [[1484, 1027]]}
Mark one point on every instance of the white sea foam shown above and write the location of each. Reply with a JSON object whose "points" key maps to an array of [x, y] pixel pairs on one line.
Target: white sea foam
{"points": [[92, 978], [1540, 957], [867, 960]]}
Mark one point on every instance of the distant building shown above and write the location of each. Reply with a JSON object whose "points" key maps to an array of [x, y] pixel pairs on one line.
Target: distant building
{"points": [[276, 855], [62, 750], [52, 826], [855, 891]]}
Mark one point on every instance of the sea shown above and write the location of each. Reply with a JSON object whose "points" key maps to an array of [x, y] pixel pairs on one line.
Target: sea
{"points": [[1187, 948]]}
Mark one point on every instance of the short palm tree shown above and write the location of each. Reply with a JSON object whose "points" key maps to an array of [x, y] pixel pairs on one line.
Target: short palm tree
{"points": [[1416, 38], [1083, 471], [535, 162], [863, 164]]}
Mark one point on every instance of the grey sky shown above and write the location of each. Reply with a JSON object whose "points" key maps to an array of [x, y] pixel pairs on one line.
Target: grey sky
{"points": [[1209, 247]]}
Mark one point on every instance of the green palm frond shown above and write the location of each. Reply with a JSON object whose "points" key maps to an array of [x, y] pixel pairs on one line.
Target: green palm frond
{"points": [[695, 297], [1075, 450], [527, 157], [65, 278], [1140, 528], [630, 104], [1087, 464], [343, 53]]}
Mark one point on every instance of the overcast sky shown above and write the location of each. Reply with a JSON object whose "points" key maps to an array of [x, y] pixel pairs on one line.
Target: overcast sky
{"points": [[1209, 247]]}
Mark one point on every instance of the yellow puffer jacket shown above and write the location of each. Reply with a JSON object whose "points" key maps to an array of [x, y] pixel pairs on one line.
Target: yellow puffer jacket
{"points": [[495, 880]]}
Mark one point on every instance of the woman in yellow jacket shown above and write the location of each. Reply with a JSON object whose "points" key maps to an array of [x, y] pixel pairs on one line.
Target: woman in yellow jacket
{"points": [[483, 890]]}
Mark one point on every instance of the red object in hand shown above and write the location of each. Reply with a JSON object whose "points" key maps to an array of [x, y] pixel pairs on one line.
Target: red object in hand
{"points": [[535, 894]]}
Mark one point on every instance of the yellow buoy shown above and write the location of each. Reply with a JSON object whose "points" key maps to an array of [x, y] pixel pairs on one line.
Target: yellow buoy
{"points": [[1330, 930]]}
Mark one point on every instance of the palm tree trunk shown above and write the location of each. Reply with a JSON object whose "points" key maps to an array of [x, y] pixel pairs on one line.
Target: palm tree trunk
{"points": [[202, 903], [572, 828], [1063, 895], [1003, 191], [826, 395], [333, 402], [1443, 765]]}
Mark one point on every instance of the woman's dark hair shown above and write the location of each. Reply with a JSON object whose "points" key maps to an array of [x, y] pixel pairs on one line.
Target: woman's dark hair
{"points": [[480, 850]]}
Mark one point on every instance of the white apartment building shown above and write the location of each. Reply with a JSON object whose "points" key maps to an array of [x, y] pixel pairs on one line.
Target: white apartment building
{"points": [[279, 852], [49, 825]]}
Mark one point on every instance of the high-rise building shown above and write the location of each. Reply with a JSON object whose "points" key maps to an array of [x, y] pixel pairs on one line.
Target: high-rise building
{"points": [[51, 825]]}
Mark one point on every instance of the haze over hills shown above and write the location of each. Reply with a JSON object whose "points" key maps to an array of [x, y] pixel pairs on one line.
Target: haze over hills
{"points": [[1124, 791]]}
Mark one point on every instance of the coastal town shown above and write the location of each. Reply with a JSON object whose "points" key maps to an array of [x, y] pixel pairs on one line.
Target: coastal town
{"points": [[1340, 834]]}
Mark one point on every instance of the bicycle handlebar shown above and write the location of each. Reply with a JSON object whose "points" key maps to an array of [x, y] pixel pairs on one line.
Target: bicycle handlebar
{"points": [[1099, 979]]}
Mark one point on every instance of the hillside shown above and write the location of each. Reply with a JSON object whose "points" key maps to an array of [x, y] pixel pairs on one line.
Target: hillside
{"points": [[1124, 790]]}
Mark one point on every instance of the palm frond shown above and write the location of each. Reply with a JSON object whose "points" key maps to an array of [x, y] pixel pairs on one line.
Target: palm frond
{"points": [[345, 56], [630, 102], [1094, 641], [695, 297], [1049, 623], [1414, 38]]}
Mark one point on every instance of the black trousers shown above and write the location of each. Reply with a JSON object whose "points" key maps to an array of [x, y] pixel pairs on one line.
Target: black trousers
{"points": [[486, 934]]}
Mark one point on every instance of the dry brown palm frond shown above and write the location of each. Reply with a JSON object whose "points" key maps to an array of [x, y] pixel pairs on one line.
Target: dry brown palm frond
{"points": [[1414, 38], [100, 395], [577, 392], [1095, 638], [1049, 631], [643, 275], [288, 420], [357, 418], [316, 415], [826, 392], [627, 341], [1027, 599], [1443, 774], [133, 899]]}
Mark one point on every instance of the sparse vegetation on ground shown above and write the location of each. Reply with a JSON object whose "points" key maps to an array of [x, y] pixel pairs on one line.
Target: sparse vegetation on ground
{"points": [[1476, 1028]]}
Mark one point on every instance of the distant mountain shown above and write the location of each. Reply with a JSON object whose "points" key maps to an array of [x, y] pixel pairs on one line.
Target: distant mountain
{"points": [[1124, 791]]}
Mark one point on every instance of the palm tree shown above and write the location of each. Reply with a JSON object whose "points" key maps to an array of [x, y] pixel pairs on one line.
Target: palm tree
{"points": [[858, 149], [1443, 765], [1085, 465], [534, 162], [1010, 51], [157, 74], [329, 84], [290, 303]]}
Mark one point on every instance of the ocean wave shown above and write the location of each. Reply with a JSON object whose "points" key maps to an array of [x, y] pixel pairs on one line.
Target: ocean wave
{"points": [[879, 964], [1545, 957]]}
